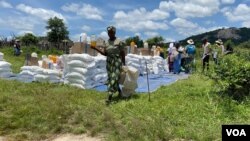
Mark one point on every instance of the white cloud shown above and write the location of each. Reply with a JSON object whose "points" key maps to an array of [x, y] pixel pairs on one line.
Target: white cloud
{"points": [[39, 12], [120, 6], [104, 35], [86, 28], [183, 23], [151, 34], [227, 1], [71, 8], [85, 10], [142, 14], [138, 34], [141, 20], [5, 4], [24, 32], [170, 40], [187, 28], [240, 14], [18, 23], [246, 24], [191, 8]]}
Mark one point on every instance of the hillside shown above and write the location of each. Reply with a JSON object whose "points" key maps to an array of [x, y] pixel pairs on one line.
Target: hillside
{"points": [[236, 35]]}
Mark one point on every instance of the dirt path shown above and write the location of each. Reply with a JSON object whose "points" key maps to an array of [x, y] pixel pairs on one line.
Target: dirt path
{"points": [[65, 137], [3, 139], [71, 137]]}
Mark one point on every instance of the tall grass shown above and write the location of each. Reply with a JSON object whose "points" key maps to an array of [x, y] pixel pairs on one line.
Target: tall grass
{"points": [[186, 110]]}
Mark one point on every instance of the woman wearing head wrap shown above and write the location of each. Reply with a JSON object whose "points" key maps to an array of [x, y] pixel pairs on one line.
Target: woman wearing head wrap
{"points": [[114, 50]]}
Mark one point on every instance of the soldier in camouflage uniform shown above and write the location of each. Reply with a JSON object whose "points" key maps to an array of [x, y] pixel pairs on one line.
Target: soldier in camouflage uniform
{"points": [[114, 50]]}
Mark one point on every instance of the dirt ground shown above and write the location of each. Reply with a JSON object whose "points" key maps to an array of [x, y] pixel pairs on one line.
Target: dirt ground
{"points": [[66, 137], [70, 137]]}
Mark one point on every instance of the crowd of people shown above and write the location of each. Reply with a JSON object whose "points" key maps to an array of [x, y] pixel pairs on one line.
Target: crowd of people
{"points": [[183, 58]]}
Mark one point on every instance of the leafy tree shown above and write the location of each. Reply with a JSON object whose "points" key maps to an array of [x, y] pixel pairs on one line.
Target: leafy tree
{"points": [[229, 43], [158, 40], [57, 30], [135, 39], [29, 38]]}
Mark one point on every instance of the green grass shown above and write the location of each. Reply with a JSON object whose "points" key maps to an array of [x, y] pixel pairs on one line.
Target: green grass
{"points": [[18, 61], [188, 109]]}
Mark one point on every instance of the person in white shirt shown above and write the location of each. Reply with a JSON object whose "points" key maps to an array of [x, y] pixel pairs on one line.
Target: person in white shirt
{"points": [[206, 55]]}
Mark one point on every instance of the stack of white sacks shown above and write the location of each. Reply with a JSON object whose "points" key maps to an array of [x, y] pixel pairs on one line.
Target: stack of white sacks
{"points": [[5, 70], [78, 70], [27, 73], [38, 74], [155, 64], [48, 75], [100, 72]]}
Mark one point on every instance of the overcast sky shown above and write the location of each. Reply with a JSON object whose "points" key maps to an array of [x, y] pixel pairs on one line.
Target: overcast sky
{"points": [[172, 19]]}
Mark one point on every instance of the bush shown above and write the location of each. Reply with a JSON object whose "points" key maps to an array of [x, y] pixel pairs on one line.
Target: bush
{"points": [[233, 76]]}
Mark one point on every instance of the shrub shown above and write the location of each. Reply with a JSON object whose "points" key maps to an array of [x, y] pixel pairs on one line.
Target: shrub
{"points": [[232, 76]]}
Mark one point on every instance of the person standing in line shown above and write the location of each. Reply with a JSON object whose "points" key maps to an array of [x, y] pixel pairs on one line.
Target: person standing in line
{"points": [[170, 57], [177, 59], [206, 54], [190, 51], [222, 48], [17, 48], [218, 50], [114, 50]]}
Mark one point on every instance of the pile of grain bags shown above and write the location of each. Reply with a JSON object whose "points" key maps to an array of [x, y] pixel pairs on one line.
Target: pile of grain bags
{"points": [[5, 70], [1, 56], [47, 75], [159, 64], [78, 70], [100, 72], [134, 60], [38, 74], [155, 64], [27, 73]]}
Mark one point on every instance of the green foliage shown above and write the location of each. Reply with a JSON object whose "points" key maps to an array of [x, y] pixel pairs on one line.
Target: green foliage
{"points": [[57, 30], [229, 43], [155, 41], [233, 77], [136, 40], [29, 39], [245, 45]]}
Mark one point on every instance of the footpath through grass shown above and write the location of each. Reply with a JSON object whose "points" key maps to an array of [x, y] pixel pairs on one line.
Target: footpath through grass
{"points": [[185, 110]]}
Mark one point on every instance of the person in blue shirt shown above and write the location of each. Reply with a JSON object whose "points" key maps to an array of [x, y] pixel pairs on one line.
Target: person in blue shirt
{"points": [[190, 51]]}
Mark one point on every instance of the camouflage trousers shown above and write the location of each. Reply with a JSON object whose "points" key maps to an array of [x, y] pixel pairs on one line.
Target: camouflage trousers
{"points": [[114, 67]]}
